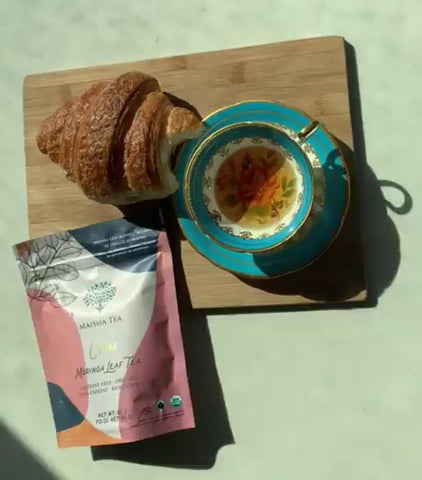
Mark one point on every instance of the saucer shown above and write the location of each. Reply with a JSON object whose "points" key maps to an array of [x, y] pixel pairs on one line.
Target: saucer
{"points": [[249, 187], [323, 222]]}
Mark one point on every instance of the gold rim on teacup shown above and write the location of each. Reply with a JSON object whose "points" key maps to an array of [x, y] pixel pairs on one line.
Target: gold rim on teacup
{"points": [[208, 140], [308, 130]]}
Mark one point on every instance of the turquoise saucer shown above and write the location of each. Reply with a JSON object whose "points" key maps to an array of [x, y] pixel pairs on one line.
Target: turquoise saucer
{"points": [[227, 250]]}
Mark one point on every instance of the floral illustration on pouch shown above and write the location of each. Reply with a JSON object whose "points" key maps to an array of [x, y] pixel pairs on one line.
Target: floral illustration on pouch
{"points": [[45, 259], [99, 295]]}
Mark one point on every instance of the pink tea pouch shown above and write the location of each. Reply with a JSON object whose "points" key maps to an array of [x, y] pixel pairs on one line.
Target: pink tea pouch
{"points": [[104, 308]]}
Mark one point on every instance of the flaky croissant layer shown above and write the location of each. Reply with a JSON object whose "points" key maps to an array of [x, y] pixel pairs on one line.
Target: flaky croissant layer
{"points": [[115, 140]]}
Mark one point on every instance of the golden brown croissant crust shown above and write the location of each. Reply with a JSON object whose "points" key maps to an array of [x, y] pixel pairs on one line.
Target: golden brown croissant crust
{"points": [[73, 122], [115, 140], [142, 142]]}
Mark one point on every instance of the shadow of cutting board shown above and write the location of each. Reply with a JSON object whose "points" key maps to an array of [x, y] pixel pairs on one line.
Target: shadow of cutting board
{"points": [[309, 74]]}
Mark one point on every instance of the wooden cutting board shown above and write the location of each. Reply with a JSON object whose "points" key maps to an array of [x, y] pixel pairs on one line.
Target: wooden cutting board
{"points": [[309, 74]]}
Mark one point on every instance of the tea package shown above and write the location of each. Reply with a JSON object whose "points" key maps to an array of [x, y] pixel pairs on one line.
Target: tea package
{"points": [[104, 308]]}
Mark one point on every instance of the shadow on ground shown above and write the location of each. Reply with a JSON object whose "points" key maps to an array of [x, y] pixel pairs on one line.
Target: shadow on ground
{"points": [[17, 462]]}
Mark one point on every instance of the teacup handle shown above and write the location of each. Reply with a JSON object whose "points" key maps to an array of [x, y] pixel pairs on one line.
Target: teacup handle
{"points": [[308, 130]]}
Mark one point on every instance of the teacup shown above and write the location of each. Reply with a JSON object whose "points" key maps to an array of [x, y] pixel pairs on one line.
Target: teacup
{"points": [[252, 186]]}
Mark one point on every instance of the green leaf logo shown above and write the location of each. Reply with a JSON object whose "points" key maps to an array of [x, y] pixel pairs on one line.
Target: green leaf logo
{"points": [[176, 401], [99, 295]]}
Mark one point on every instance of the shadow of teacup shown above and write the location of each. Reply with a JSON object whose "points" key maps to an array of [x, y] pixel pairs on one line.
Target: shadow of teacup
{"points": [[339, 274], [380, 238]]}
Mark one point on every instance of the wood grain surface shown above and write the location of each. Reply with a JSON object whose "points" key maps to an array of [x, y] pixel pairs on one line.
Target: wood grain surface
{"points": [[309, 74]]}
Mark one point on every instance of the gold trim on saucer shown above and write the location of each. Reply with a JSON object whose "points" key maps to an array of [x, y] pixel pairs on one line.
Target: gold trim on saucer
{"points": [[347, 192]]}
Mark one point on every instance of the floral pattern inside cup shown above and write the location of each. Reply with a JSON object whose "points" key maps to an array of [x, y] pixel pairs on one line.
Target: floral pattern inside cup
{"points": [[252, 188]]}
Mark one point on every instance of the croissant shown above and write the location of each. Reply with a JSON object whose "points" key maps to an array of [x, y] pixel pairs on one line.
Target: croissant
{"points": [[115, 141]]}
